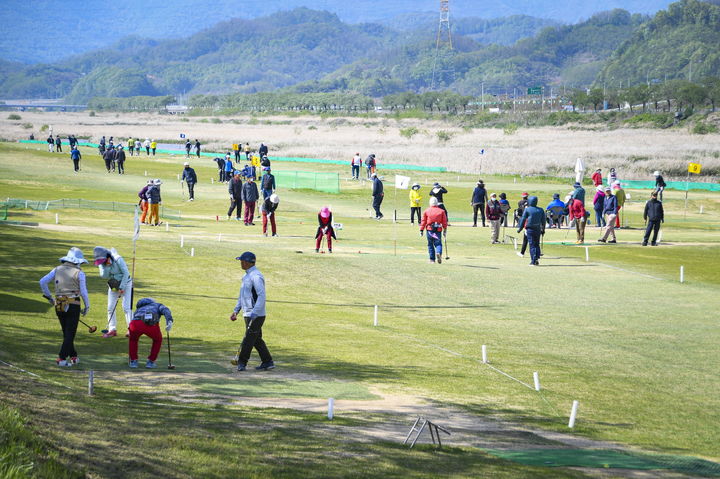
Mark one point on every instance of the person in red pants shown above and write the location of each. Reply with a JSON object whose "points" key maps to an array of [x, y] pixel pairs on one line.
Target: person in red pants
{"points": [[325, 229], [146, 321], [267, 208]]}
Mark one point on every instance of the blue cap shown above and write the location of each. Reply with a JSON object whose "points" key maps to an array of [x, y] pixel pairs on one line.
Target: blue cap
{"points": [[247, 256]]}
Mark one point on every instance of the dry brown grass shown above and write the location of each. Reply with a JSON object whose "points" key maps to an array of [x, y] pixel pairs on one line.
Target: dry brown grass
{"points": [[635, 153]]}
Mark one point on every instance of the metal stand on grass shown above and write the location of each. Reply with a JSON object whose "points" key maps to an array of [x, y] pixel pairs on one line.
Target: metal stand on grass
{"points": [[418, 428]]}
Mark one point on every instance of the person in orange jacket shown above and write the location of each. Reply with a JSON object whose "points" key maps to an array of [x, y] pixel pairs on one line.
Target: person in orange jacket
{"points": [[434, 225]]}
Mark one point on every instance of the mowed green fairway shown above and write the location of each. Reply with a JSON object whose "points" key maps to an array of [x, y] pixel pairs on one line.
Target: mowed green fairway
{"points": [[619, 333]]}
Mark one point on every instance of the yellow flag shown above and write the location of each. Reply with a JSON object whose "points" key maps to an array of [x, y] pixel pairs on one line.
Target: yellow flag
{"points": [[695, 168]]}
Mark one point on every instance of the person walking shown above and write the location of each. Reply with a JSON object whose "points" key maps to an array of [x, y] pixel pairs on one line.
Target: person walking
{"points": [[153, 146], [120, 157], [154, 202], [478, 201], [101, 146], [438, 191], [138, 146], [610, 212], [51, 143], [235, 186], [236, 151], [58, 144], [325, 229], [267, 182], [370, 164], [131, 145], [377, 195], [70, 287], [597, 178], [247, 151], [434, 224], [660, 185], [75, 156], [249, 195], [577, 212], [146, 320], [494, 214], [251, 303], [415, 198], [598, 202], [621, 197], [533, 222], [143, 201], [267, 209], [197, 148], [109, 158], [72, 141], [263, 150], [146, 145], [188, 147], [654, 214], [190, 178], [113, 268], [612, 177], [355, 166]]}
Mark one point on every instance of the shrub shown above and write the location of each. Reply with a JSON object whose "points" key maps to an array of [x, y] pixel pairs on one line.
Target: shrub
{"points": [[443, 135], [409, 132], [312, 127], [27, 126], [510, 129], [701, 128], [92, 113], [14, 116], [216, 120], [44, 128]]}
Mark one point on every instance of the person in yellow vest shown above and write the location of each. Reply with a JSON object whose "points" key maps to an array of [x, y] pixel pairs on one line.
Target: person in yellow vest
{"points": [[153, 146], [70, 286], [131, 146], [415, 198]]}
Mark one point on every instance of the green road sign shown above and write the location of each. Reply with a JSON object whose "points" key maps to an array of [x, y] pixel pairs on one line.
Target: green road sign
{"points": [[536, 90]]}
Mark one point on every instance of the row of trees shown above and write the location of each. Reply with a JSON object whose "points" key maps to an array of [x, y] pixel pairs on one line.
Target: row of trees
{"points": [[142, 103], [276, 101]]}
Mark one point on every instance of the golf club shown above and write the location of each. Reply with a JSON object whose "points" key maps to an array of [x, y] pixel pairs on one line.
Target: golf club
{"points": [[170, 364], [567, 232], [447, 256], [182, 185], [113, 313], [91, 329]]}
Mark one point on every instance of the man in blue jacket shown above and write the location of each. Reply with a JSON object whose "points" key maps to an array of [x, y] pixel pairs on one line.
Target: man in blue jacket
{"points": [[533, 220], [75, 157], [610, 210], [251, 303]]}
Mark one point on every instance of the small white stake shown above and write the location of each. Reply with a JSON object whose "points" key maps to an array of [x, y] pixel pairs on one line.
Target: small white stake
{"points": [[573, 414], [91, 382], [587, 253], [458, 179], [660, 235], [682, 274], [220, 237], [515, 243], [536, 378], [514, 180], [178, 176], [145, 172], [375, 321], [57, 219], [167, 226], [192, 251], [182, 241], [212, 181], [701, 209], [484, 354], [331, 407]]}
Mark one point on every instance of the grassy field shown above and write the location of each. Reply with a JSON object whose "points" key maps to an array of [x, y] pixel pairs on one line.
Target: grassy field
{"points": [[619, 333]]}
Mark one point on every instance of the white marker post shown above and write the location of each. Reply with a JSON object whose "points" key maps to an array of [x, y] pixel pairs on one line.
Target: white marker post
{"points": [[145, 172], [660, 235], [536, 378], [192, 251], [375, 316], [573, 414], [587, 253], [182, 241], [91, 382], [212, 180], [219, 236], [57, 219], [682, 274], [701, 209], [167, 226], [331, 408], [484, 354], [515, 243]]}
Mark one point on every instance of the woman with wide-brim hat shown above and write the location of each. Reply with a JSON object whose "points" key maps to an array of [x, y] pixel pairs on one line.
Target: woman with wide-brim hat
{"points": [[70, 286]]}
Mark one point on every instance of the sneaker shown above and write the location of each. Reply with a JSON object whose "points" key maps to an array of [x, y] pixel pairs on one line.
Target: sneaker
{"points": [[601, 241], [329, 250], [133, 363], [251, 224], [150, 364], [61, 362], [317, 250], [266, 366], [275, 235], [75, 360], [612, 241], [537, 263], [519, 254], [439, 259], [654, 244], [192, 199], [241, 367], [645, 243], [110, 334]]}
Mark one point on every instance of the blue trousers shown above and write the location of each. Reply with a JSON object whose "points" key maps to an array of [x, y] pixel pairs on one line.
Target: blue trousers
{"points": [[533, 237], [434, 244]]}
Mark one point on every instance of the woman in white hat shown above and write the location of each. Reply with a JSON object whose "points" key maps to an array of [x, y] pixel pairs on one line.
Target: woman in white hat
{"points": [[70, 286]]}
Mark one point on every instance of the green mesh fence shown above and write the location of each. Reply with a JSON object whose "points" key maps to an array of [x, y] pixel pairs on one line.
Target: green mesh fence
{"points": [[672, 185], [327, 182], [3, 211], [42, 205], [611, 459]]}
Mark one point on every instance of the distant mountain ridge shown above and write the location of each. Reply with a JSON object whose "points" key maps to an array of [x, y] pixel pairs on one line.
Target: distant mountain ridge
{"points": [[47, 30]]}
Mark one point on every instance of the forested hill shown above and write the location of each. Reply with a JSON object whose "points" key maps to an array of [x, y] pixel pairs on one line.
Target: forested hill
{"points": [[49, 30], [681, 42]]}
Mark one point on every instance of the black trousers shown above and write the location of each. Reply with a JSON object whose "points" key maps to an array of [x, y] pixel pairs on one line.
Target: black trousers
{"points": [[121, 167], [478, 207], [377, 201], [191, 190], [413, 211], [253, 339], [221, 175], [76, 163], [654, 227], [69, 323], [235, 203]]}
